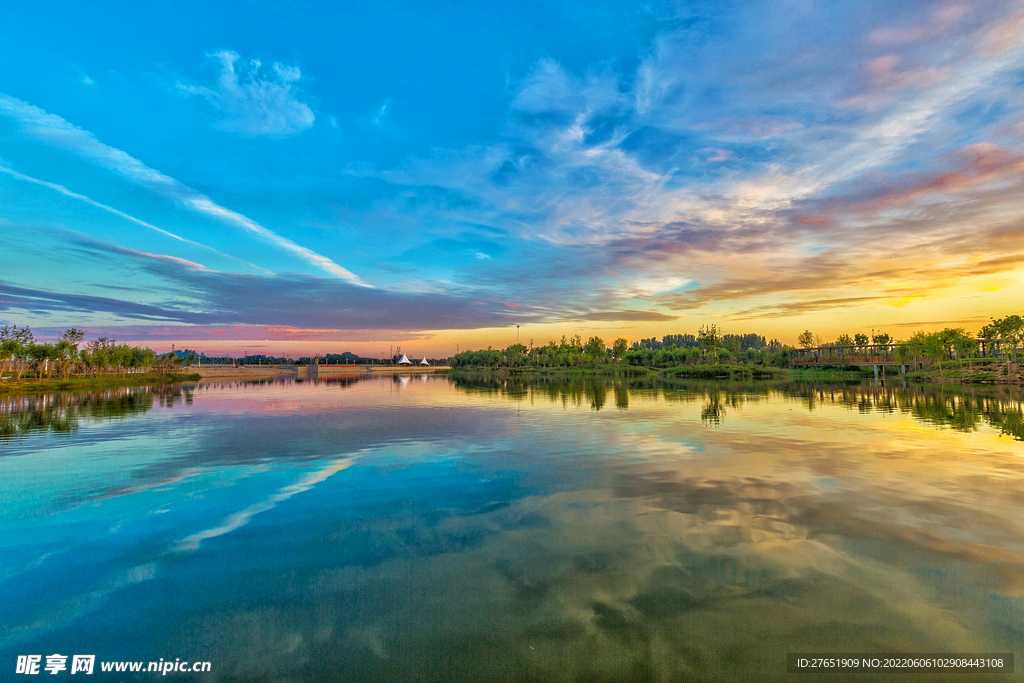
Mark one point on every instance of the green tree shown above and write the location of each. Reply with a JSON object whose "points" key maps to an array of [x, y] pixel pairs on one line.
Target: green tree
{"points": [[63, 358], [99, 352], [120, 356], [619, 348], [594, 347], [21, 356], [844, 340], [12, 345], [935, 348], [142, 359], [962, 343], [40, 355], [1009, 328], [733, 344], [66, 351], [806, 339], [710, 337], [85, 357], [881, 338]]}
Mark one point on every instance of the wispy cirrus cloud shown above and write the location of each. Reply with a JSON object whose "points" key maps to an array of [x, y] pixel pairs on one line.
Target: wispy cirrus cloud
{"points": [[381, 114], [253, 100], [739, 171], [15, 298], [57, 131], [292, 301], [747, 161], [551, 88], [121, 214], [204, 297], [154, 332], [292, 306]]}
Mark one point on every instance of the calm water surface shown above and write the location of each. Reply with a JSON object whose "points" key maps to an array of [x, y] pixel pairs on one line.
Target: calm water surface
{"points": [[428, 529]]}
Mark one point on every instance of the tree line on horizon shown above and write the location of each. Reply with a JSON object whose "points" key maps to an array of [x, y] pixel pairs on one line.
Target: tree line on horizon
{"points": [[951, 343], [711, 346], [20, 353]]}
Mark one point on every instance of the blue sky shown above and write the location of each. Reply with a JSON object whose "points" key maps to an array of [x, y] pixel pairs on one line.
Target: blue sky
{"points": [[310, 177]]}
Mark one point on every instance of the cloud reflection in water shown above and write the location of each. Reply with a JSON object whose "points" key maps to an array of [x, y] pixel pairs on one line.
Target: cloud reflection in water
{"points": [[593, 530]]}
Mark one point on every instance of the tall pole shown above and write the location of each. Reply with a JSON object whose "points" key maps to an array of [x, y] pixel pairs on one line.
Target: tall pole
{"points": [[517, 334]]}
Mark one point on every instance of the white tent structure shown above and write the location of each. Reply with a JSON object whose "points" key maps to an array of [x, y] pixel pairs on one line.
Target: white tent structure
{"points": [[424, 361], [405, 360]]}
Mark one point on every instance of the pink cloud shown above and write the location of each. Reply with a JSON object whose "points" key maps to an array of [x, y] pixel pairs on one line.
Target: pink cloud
{"points": [[982, 164], [938, 23], [814, 220]]}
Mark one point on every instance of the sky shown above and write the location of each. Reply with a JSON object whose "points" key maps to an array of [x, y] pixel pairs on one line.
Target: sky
{"points": [[307, 178]]}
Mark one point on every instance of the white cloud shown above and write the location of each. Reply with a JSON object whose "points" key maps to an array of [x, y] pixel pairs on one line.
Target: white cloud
{"points": [[56, 130], [121, 214], [550, 88], [242, 517], [255, 101], [204, 205], [381, 113], [701, 160]]}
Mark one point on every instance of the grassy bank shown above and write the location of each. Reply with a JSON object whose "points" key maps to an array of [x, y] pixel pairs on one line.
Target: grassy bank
{"points": [[579, 371], [977, 371], [726, 372], [9, 386], [721, 371]]}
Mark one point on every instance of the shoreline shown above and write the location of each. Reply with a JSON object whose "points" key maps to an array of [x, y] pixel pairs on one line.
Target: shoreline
{"points": [[951, 374], [243, 372], [981, 374], [302, 371], [9, 386], [205, 374]]}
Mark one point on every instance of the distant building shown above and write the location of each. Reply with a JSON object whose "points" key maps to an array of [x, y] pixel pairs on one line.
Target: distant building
{"points": [[405, 360]]}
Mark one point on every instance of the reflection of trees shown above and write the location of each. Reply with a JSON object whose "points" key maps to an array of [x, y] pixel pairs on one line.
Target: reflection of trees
{"points": [[621, 396], [340, 382], [961, 408], [62, 412], [964, 408], [713, 410], [170, 395], [573, 391], [577, 391], [720, 398]]}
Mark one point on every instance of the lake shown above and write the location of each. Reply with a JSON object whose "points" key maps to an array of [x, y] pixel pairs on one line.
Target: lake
{"points": [[428, 528]]}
